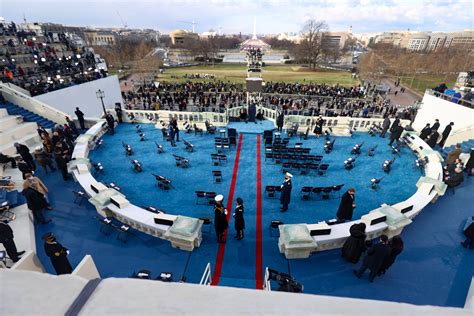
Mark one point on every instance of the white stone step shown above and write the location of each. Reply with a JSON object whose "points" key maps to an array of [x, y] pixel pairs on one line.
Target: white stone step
{"points": [[31, 140], [18, 132], [3, 112], [7, 122]]}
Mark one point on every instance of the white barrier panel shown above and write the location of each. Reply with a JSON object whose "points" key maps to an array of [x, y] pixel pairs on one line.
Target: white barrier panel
{"points": [[29, 262], [198, 118], [32, 104], [84, 97], [86, 269]]}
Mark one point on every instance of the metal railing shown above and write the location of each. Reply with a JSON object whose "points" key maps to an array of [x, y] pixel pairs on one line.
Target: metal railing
{"points": [[451, 98], [266, 281], [206, 276]]}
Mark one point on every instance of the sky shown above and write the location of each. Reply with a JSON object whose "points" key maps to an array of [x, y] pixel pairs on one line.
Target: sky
{"points": [[234, 16]]}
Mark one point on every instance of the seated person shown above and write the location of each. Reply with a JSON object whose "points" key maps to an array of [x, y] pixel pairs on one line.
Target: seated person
{"points": [[259, 116], [455, 178], [7, 159]]}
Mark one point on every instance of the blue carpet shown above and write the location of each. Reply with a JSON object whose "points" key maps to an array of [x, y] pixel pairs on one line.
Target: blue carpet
{"points": [[433, 269], [28, 116]]}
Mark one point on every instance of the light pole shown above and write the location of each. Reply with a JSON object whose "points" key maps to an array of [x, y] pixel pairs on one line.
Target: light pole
{"points": [[101, 95]]}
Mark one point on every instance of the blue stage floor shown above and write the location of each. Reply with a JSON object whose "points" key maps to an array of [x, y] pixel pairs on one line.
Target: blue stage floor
{"points": [[252, 128], [434, 269]]}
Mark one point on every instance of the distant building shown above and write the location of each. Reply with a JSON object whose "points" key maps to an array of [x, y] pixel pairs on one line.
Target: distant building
{"points": [[206, 35], [418, 42], [292, 37], [336, 38], [99, 38], [182, 37], [437, 41]]}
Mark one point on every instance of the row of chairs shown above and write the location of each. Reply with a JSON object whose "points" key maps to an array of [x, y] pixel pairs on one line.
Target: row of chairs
{"points": [[270, 190], [108, 227], [218, 159], [162, 182], [286, 150], [206, 197], [321, 193], [217, 175], [280, 158], [181, 161], [305, 168], [221, 144]]}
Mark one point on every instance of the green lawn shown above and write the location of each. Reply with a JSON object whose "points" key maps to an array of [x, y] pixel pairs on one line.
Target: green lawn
{"points": [[423, 82], [237, 73]]}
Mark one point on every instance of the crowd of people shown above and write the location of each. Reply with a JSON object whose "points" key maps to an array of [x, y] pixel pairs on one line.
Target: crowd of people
{"points": [[51, 62]]}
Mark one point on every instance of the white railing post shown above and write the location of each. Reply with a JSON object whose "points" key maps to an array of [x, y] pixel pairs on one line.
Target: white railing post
{"points": [[206, 276]]}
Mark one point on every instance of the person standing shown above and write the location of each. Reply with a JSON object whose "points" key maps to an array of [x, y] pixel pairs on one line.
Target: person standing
{"points": [[110, 123], [171, 135], [395, 123], [38, 185], [279, 121], [445, 134], [347, 205], [220, 218], [61, 154], [35, 202], [374, 259], [385, 126], [396, 248], [118, 111], [24, 152], [285, 195], [72, 126], [395, 134], [239, 223], [425, 132], [433, 138], [435, 125], [454, 154], [6, 238], [318, 129], [80, 118], [44, 159], [354, 245], [57, 253], [174, 125]]}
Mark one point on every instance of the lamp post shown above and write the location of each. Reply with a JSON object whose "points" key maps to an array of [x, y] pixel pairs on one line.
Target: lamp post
{"points": [[101, 95]]}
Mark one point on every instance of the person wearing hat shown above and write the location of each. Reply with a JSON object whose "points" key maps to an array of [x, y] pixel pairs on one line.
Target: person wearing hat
{"points": [[220, 218], [239, 224], [285, 195], [57, 253], [6, 238], [24, 152], [347, 205], [44, 159]]}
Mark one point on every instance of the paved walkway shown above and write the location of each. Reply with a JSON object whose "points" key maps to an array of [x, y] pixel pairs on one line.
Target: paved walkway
{"points": [[409, 97]]}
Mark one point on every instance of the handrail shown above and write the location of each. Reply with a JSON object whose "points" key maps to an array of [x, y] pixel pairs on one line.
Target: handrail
{"points": [[266, 281], [449, 98], [206, 276], [38, 107]]}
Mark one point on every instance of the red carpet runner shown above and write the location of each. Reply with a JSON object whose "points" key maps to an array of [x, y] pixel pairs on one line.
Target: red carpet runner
{"points": [[258, 247], [230, 199]]}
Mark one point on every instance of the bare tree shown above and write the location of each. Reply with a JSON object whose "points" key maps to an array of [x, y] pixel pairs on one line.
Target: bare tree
{"points": [[311, 46]]}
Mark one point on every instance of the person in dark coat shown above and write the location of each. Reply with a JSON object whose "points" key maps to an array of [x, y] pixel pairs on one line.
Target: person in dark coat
{"points": [[433, 139], [318, 129], [469, 233], [395, 123], [174, 124], [454, 179], [6, 238], [24, 152], [435, 125], [7, 159], [72, 127], [171, 133], [24, 167], [285, 195], [61, 155], [425, 131], [279, 122], [347, 205], [385, 126], [396, 248], [118, 112], [470, 163], [57, 253], [445, 134], [36, 202], [110, 123], [239, 223], [80, 118], [374, 259], [220, 218], [354, 246], [395, 134]]}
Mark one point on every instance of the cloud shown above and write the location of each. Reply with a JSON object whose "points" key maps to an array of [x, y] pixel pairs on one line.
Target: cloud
{"points": [[235, 16]]}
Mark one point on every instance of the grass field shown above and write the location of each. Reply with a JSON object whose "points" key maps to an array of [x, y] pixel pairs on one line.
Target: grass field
{"points": [[423, 82], [237, 73]]}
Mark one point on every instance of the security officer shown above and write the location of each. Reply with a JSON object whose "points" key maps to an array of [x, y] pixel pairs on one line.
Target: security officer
{"points": [[57, 253], [6, 238], [285, 192], [220, 218], [239, 219]]}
